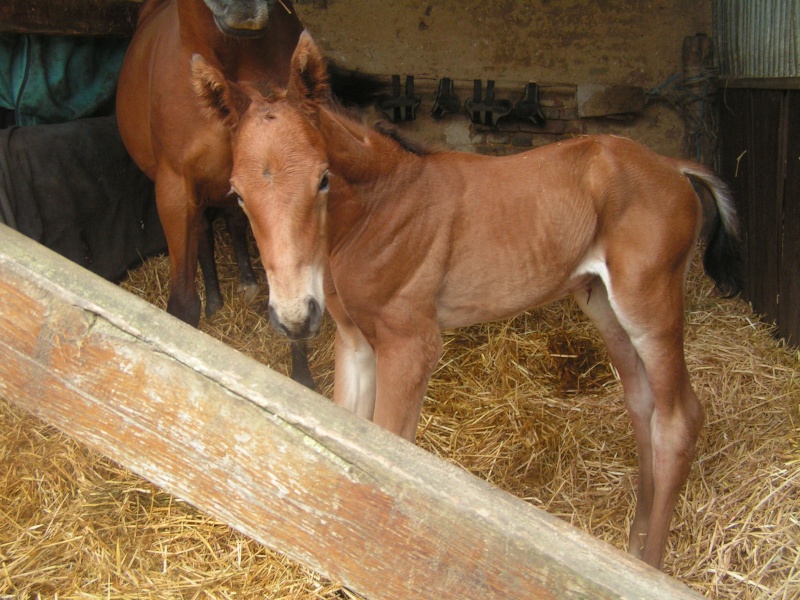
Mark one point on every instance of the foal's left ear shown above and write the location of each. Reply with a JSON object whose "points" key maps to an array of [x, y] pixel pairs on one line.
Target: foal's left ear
{"points": [[221, 98], [308, 76]]}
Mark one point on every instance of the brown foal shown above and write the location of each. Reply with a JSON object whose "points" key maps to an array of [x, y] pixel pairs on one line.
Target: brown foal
{"points": [[400, 244]]}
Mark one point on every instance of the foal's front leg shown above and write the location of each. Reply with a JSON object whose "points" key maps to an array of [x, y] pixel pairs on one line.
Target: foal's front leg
{"points": [[354, 374], [405, 363]]}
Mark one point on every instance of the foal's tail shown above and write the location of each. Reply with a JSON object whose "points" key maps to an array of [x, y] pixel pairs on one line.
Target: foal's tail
{"points": [[723, 258]]}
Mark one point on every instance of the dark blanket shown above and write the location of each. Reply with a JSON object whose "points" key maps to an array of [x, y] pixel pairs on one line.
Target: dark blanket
{"points": [[73, 188]]}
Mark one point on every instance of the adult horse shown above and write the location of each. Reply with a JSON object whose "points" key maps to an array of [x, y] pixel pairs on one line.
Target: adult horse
{"points": [[406, 243], [188, 155]]}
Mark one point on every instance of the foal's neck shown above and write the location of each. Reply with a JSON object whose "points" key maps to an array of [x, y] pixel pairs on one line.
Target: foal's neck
{"points": [[372, 173], [365, 158]]}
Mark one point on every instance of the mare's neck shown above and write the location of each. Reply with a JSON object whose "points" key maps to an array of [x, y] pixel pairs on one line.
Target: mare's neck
{"points": [[264, 58]]}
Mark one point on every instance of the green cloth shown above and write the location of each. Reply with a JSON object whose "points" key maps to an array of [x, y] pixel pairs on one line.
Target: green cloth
{"points": [[54, 79]]}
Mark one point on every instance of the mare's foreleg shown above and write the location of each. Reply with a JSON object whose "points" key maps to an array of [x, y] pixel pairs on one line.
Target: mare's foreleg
{"points": [[181, 219], [301, 373], [208, 264], [238, 227]]}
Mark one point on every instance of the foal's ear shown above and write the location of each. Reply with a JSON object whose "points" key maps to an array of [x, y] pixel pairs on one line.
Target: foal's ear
{"points": [[221, 98], [308, 78]]}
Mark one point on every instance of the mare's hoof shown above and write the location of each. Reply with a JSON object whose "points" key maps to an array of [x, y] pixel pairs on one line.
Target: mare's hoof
{"points": [[248, 291], [212, 306]]}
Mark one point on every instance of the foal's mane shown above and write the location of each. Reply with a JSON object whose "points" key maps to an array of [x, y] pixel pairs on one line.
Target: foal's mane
{"points": [[385, 130], [391, 132]]}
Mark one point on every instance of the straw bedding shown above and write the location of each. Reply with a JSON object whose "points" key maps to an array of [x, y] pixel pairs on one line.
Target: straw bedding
{"points": [[530, 405]]}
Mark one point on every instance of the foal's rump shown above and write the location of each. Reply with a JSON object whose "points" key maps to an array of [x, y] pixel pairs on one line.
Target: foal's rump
{"points": [[657, 202]]}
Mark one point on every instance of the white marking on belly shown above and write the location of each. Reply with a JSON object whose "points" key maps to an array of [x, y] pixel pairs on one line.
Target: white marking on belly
{"points": [[596, 265]]}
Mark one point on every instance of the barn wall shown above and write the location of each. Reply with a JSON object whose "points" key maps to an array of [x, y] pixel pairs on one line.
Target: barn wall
{"points": [[558, 44]]}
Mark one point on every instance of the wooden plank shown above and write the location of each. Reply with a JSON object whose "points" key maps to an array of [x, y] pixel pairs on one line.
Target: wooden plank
{"points": [[274, 460], [766, 197], [70, 17], [765, 83], [734, 149], [789, 273], [750, 122]]}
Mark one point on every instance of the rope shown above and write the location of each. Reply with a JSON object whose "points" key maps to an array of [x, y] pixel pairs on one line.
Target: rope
{"points": [[691, 93]]}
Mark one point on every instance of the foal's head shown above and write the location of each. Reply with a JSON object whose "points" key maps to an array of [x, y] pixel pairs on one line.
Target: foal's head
{"points": [[280, 174]]}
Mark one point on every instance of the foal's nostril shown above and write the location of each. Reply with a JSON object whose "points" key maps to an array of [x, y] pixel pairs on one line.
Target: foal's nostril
{"points": [[276, 322], [314, 313]]}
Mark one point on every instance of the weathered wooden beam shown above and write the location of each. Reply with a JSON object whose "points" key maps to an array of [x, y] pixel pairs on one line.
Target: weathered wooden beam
{"points": [[598, 100], [116, 18], [274, 460]]}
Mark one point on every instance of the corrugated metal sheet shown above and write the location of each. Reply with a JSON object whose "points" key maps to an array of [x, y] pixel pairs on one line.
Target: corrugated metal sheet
{"points": [[758, 38]]}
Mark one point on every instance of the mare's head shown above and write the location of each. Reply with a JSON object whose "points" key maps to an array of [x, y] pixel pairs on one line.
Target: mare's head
{"points": [[241, 18], [280, 174]]}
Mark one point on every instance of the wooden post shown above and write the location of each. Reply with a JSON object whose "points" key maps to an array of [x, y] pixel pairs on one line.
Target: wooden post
{"points": [[274, 460], [70, 17]]}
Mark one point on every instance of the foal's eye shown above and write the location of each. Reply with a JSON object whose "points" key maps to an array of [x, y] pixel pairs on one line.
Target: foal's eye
{"points": [[324, 183]]}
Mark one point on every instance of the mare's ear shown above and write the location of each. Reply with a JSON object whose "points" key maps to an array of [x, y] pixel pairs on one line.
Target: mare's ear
{"points": [[221, 98], [308, 76]]}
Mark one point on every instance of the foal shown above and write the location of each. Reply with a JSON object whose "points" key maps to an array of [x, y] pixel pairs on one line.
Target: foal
{"points": [[406, 244]]}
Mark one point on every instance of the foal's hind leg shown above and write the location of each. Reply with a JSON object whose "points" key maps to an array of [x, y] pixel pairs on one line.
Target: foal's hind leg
{"points": [[650, 309], [593, 299]]}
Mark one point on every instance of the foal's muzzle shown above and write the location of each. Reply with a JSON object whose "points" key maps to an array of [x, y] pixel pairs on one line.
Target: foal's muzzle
{"points": [[302, 329]]}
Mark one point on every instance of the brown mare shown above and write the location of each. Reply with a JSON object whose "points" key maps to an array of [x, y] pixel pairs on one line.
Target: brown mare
{"points": [[187, 154], [408, 243]]}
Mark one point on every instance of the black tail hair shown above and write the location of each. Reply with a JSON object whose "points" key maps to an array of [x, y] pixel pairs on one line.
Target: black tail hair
{"points": [[723, 259], [723, 256]]}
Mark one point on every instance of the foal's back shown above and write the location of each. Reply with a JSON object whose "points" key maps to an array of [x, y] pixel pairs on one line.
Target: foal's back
{"points": [[531, 228]]}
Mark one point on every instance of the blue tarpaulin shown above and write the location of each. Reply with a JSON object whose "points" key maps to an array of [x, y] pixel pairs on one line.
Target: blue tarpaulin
{"points": [[53, 79]]}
